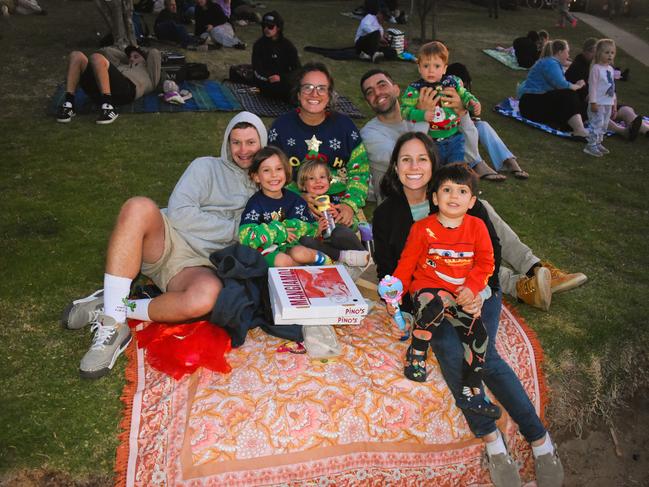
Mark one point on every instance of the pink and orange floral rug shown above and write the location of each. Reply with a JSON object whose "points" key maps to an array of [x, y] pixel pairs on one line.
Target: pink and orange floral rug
{"points": [[281, 418]]}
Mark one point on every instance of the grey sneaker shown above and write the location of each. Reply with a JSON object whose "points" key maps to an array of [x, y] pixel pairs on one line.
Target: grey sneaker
{"points": [[110, 340], [549, 471], [592, 151], [603, 149], [503, 470], [83, 311]]}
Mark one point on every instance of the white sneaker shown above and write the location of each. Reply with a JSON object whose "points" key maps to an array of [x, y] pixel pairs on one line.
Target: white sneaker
{"points": [[354, 258], [603, 149], [377, 56], [364, 56], [592, 150]]}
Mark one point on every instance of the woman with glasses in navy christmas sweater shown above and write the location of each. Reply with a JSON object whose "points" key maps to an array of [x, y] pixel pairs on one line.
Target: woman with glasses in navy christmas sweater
{"points": [[314, 130]]}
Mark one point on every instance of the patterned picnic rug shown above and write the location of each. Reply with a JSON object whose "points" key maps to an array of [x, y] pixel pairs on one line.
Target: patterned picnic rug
{"points": [[252, 101], [283, 419], [207, 96], [505, 56]]}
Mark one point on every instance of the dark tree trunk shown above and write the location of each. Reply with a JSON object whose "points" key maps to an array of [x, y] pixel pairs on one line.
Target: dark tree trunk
{"points": [[424, 9]]}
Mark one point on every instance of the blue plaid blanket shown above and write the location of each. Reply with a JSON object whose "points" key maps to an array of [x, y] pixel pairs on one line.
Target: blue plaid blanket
{"points": [[509, 108], [207, 96]]}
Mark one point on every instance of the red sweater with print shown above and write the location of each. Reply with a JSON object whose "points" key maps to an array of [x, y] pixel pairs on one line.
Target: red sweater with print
{"points": [[446, 258]]}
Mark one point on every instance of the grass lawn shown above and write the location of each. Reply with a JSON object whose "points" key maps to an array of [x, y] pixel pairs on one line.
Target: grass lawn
{"points": [[61, 187]]}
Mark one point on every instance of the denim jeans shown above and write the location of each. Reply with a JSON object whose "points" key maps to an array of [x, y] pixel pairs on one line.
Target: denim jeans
{"points": [[497, 375], [497, 149], [451, 149]]}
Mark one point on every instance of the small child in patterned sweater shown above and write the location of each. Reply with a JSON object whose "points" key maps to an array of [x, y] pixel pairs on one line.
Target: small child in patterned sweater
{"points": [[443, 121]]}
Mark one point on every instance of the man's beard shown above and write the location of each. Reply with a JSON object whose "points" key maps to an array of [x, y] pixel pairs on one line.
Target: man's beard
{"points": [[388, 109]]}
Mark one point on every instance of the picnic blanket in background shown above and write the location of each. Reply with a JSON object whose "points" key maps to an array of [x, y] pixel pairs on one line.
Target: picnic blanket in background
{"points": [[509, 108], [207, 96], [281, 418], [505, 56], [253, 101]]}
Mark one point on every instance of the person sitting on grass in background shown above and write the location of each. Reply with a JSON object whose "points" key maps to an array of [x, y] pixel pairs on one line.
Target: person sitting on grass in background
{"points": [[477, 131], [171, 246], [275, 218], [342, 244], [546, 96], [212, 24], [601, 96], [274, 58], [110, 77], [527, 49], [370, 41], [447, 260], [169, 26], [443, 121]]}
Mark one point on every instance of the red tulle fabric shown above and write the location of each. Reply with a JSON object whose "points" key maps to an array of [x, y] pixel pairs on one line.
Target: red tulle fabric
{"points": [[177, 350]]}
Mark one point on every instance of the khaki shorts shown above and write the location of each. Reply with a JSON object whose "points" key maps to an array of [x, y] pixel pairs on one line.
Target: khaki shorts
{"points": [[177, 255]]}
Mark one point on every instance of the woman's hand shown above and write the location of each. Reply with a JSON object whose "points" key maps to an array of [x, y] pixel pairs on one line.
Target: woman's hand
{"points": [[578, 85], [345, 214], [472, 305], [274, 78]]}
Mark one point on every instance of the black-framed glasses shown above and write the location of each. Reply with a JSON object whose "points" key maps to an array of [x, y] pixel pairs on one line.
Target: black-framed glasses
{"points": [[308, 88]]}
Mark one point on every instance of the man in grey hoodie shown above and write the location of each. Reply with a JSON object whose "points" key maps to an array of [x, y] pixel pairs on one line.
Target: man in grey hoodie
{"points": [[171, 246]]}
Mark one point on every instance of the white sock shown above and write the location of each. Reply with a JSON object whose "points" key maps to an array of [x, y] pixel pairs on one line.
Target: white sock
{"points": [[544, 448], [138, 309], [497, 446], [116, 291]]}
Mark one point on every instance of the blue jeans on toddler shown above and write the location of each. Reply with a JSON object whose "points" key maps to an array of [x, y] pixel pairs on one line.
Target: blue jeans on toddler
{"points": [[450, 149], [502, 381]]}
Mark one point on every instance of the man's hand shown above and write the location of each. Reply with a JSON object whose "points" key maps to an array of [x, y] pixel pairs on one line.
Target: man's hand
{"points": [[345, 214], [428, 99], [450, 99]]}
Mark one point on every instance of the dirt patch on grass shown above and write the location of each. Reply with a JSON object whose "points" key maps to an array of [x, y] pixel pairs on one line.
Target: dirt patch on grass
{"points": [[44, 477]]}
